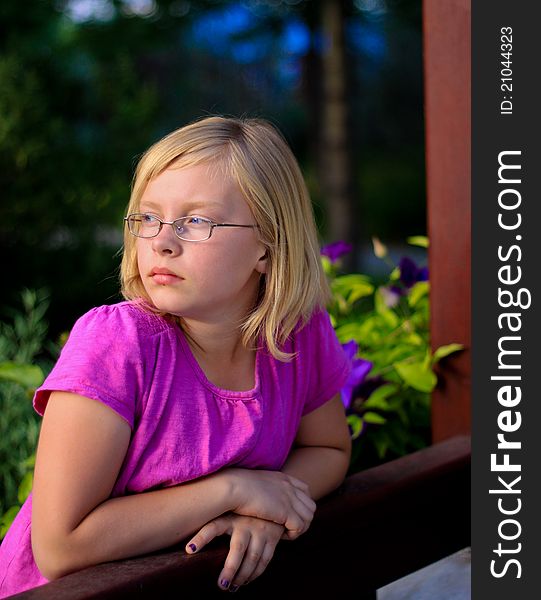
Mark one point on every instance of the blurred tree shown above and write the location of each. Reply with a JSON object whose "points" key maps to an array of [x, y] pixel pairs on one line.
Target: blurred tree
{"points": [[335, 150], [87, 85], [73, 115]]}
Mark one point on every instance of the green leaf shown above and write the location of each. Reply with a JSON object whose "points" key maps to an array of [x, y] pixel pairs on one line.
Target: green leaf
{"points": [[29, 462], [418, 291], [414, 339], [348, 331], [25, 487], [7, 519], [418, 240], [360, 291], [327, 266], [372, 417], [368, 326], [443, 351], [356, 424], [395, 274], [29, 376], [416, 375], [352, 287], [427, 362], [378, 398]]}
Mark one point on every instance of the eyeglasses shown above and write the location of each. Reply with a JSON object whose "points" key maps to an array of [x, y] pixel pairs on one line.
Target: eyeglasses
{"points": [[190, 229]]}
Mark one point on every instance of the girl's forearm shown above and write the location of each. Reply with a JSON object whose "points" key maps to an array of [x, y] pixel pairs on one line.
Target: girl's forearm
{"points": [[132, 525], [322, 468]]}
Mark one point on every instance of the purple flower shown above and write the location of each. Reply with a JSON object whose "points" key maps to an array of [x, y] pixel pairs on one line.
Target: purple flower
{"points": [[336, 250], [410, 273], [359, 370]]}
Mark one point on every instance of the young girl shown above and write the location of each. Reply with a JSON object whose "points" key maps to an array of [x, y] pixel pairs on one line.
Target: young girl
{"points": [[208, 402]]}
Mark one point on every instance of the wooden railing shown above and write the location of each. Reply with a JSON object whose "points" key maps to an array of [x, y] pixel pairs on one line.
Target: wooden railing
{"points": [[380, 525]]}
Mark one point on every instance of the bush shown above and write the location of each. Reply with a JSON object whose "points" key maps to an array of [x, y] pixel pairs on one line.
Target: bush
{"points": [[25, 356], [385, 331]]}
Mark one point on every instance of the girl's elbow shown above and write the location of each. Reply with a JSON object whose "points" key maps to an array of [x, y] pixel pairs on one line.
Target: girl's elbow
{"points": [[51, 571], [49, 566], [51, 557]]}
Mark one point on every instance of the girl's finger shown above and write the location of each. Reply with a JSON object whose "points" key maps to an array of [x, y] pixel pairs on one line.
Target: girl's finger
{"points": [[301, 485], [305, 510], [240, 539], [266, 556], [207, 533], [294, 522], [291, 534], [299, 518], [306, 500], [252, 556]]}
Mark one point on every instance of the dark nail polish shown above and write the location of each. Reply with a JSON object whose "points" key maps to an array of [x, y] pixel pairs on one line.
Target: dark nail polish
{"points": [[233, 588], [224, 583], [192, 547]]}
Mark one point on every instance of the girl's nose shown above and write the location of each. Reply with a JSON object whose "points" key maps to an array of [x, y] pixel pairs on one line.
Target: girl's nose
{"points": [[166, 242]]}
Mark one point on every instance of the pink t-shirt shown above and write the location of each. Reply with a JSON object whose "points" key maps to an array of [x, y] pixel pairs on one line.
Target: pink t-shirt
{"points": [[183, 426]]}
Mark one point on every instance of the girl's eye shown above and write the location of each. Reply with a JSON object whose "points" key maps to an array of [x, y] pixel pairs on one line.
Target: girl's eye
{"points": [[147, 219], [196, 221]]}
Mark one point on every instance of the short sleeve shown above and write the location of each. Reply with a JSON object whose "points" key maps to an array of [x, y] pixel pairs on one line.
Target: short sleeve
{"points": [[329, 366], [101, 360]]}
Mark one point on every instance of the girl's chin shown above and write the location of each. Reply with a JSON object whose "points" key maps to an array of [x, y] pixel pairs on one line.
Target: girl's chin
{"points": [[166, 305]]}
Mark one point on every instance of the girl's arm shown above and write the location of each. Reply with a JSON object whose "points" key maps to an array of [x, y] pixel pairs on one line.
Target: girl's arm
{"points": [[320, 458], [74, 522], [322, 449]]}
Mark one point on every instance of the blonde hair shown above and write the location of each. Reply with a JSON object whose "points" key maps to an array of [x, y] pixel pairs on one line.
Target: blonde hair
{"points": [[255, 155]]}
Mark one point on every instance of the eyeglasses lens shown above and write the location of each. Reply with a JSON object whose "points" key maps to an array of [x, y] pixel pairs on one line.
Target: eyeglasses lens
{"points": [[191, 229], [143, 225]]}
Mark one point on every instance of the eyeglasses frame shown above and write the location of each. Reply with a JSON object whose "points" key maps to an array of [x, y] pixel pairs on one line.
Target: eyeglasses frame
{"points": [[212, 224]]}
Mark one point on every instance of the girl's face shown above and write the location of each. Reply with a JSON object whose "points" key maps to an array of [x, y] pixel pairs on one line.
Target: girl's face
{"points": [[216, 280]]}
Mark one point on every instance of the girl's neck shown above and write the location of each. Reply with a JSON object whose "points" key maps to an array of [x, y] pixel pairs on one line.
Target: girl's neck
{"points": [[220, 343], [219, 338], [222, 357]]}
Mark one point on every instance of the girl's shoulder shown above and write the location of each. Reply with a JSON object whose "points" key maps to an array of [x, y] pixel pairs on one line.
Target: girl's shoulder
{"points": [[317, 324], [125, 319]]}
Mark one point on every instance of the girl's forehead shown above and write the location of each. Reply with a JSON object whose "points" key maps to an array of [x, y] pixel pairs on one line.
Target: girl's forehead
{"points": [[191, 187], [194, 177]]}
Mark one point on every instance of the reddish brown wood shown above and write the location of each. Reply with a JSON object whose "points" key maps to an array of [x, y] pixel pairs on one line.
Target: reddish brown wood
{"points": [[380, 525], [447, 47]]}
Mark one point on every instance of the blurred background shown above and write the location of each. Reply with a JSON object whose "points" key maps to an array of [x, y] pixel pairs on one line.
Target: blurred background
{"points": [[87, 85]]}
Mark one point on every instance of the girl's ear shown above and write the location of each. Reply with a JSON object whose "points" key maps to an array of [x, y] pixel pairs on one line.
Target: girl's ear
{"points": [[261, 266]]}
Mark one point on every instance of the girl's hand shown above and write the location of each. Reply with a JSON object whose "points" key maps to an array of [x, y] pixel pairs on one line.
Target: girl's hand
{"points": [[252, 546], [273, 496]]}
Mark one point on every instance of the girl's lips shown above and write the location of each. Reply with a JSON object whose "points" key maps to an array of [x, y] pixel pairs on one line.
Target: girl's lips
{"points": [[164, 276]]}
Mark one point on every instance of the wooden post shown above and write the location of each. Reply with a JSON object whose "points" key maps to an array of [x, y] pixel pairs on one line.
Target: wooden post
{"points": [[447, 55]]}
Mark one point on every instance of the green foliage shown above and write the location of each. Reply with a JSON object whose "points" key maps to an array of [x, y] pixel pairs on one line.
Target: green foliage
{"points": [[28, 376], [389, 412], [25, 356]]}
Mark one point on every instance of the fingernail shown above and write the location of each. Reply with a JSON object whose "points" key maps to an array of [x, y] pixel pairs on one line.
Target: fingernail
{"points": [[224, 583], [192, 547], [233, 588]]}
